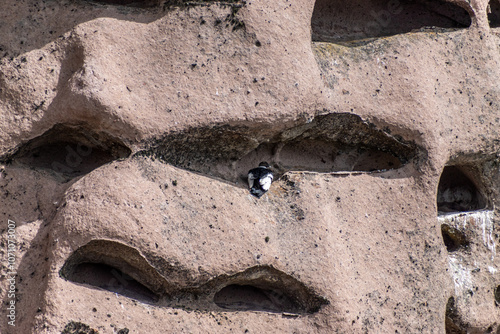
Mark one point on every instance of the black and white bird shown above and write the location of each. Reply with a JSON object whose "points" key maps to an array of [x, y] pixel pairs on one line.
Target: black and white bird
{"points": [[260, 179]]}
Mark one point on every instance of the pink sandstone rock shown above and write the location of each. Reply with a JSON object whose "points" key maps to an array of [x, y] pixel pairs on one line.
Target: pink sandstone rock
{"points": [[128, 128]]}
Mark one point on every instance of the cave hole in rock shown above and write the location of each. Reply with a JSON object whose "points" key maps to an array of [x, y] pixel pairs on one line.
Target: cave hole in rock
{"points": [[337, 142], [115, 267], [453, 239], [494, 13], [458, 190], [70, 151], [266, 289], [338, 21]]}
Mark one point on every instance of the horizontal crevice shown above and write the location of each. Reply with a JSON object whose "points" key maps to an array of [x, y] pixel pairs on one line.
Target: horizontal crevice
{"points": [[329, 143], [69, 151], [121, 269], [341, 22]]}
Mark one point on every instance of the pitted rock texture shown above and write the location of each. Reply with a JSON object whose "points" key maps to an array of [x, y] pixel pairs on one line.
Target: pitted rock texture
{"points": [[128, 127]]}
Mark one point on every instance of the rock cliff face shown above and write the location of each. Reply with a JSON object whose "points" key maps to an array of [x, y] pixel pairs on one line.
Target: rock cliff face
{"points": [[128, 127]]}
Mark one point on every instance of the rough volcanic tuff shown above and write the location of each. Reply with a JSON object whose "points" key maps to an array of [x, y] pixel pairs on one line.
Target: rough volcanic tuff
{"points": [[128, 127]]}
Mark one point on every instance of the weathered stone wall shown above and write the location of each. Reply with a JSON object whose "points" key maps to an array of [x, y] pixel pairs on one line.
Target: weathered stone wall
{"points": [[128, 127]]}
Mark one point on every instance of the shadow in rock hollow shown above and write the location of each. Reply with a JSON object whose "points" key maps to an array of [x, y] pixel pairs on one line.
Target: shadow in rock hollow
{"points": [[118, 268], [337, 142], [361, 21]]}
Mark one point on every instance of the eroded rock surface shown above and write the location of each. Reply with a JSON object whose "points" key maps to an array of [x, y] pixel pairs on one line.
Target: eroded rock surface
{"points": [[128, 127]]}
